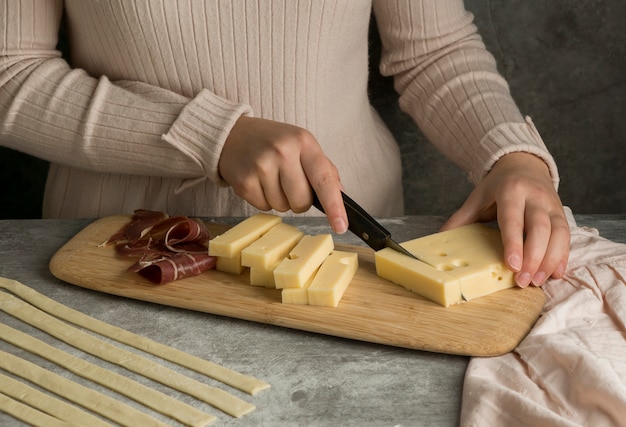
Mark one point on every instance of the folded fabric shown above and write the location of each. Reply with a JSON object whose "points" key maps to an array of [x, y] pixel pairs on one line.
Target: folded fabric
{"points": [[571, 368]]}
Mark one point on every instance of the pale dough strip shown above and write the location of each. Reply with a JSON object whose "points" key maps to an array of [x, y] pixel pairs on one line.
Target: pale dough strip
{"points": [[220, 399], [49, 405], [97, 402], [30, 415], [227, 376], [149, 397]]}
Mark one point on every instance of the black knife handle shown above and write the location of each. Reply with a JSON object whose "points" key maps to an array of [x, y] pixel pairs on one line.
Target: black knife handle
{"points": [[361, 223]]}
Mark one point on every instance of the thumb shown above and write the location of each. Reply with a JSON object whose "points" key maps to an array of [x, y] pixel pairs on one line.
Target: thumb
{"points": [[468, 213], [463, 216]]}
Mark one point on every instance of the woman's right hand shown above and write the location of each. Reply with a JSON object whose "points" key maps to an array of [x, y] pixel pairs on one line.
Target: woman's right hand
{"points": [[274, 165]]}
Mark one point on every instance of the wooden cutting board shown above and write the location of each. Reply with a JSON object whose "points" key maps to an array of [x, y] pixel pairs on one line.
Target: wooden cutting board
{"points": [[372, 309]]}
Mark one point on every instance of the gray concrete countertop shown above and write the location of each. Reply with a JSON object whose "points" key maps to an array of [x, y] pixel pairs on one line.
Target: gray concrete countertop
{"points": [[316, 380]]}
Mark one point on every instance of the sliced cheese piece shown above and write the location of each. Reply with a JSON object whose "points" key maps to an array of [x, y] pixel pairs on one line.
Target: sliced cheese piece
{"points": [[271, 248], [418, 277], [230, 243], [465, 263], [262, 277], [473, 253], [303, 260], [297, 295], [264, 255], [333, 278], [229, 265]]}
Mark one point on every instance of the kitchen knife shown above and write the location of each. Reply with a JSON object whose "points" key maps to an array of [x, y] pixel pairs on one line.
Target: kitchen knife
{"points": [[365, 227]]}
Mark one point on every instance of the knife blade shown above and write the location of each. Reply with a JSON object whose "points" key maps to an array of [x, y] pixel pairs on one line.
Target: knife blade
{"points": [[364, 226]]}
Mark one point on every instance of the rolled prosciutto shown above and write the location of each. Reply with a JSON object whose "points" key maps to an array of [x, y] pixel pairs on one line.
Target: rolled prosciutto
{"points": [[170, 268], [167, 248]]}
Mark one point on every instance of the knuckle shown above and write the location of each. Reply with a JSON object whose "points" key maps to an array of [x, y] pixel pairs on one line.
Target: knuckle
{"points": [[289, 147], [325, 179], [264, 166], [304, 136], [281, 207], [560, 226], [515, 185], [299, 208], [542, 226], [244, 189]]}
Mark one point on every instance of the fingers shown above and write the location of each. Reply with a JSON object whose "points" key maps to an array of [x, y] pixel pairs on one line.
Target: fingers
{"points": [[535, 233], [284, 183], [519, 194], [556, 253], [535, 246], [473, 210], [324, 178], [536, 241], [302, 168], [275, 165], [463, 216], [546, 248], [293, 176], [511, 220]]}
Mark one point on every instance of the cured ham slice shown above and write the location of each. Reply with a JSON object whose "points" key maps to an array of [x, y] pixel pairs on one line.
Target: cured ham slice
{"points": [[174, 267], [141, 222], [185, 235], [168, 248]]}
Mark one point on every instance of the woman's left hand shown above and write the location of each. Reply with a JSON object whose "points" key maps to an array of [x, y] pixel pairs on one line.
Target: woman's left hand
{"points": [[519, 193]]}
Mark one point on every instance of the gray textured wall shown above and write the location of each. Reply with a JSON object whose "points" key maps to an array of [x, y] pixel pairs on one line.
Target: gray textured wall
{"points": [[566, 65], [565, 61]]}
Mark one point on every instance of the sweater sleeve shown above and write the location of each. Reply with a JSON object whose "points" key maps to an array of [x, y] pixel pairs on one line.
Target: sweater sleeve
{"points": [[449, 84], [64, 115]]}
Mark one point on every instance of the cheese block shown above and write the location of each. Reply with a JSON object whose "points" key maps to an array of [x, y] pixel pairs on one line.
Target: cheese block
{"points": [[295, 270], [417, 276], [470, 258], [332, 279], [473, 253], [271, 248], [230, 243]]}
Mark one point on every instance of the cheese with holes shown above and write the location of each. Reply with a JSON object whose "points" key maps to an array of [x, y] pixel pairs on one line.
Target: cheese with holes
{"points": [[271, 248], [230, 243], [419, 277], [465, 263], [332, 279], [303, 260]]}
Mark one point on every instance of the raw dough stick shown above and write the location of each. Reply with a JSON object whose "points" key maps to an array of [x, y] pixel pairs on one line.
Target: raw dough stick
{"points": [[99, 403], [220, 399], [227, 376], [30, 415], [149, 397], [49, 405]]}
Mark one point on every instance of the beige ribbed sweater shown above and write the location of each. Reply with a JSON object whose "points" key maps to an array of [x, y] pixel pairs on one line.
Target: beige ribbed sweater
{"points": [[139, 116]]}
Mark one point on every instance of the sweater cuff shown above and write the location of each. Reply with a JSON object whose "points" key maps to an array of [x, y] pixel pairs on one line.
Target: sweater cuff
{"points": [[200, 132], [511, 138]]}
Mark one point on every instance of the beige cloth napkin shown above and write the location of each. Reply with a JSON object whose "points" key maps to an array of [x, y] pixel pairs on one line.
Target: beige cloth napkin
{"points": [[571, 368]]}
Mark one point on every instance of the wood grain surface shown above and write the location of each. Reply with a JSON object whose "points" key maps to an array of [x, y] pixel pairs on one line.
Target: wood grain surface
{"points": [[372, 309]]}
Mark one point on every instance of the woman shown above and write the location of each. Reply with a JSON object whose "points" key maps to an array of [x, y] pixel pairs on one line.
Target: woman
{"points": [[216, 108]]}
